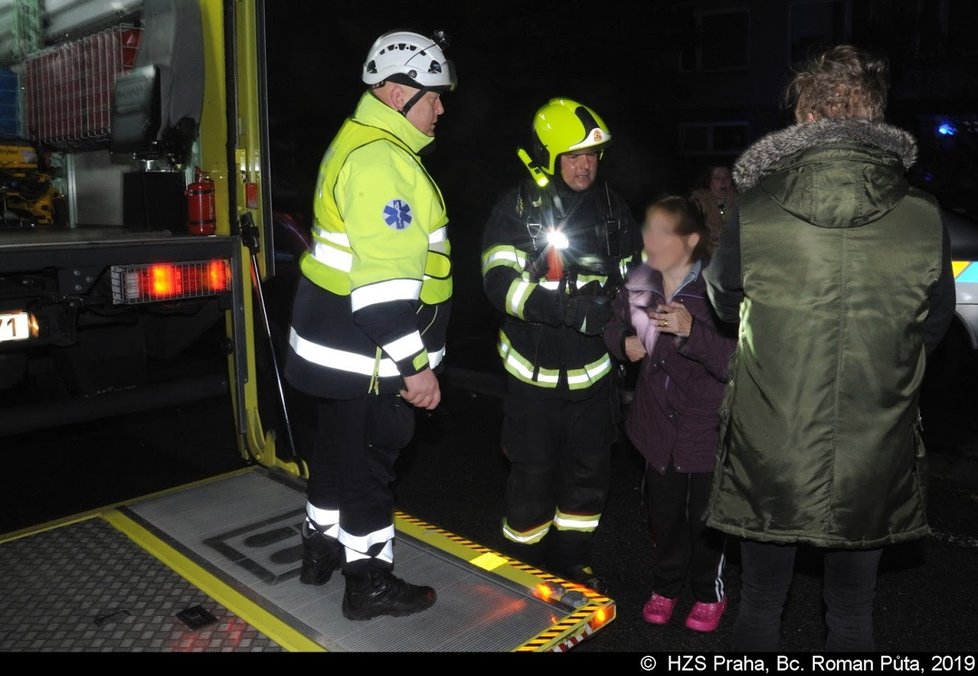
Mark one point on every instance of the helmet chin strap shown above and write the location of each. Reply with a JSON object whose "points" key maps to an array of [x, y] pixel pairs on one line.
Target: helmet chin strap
{"points": [[413, 100]]}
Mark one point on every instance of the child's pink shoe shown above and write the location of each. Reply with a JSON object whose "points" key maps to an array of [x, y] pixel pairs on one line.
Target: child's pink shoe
{"points": [[659, 609], [705, 617]]}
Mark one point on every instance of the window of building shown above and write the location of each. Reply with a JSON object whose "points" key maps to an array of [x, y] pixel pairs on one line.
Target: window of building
{"points": [[815, 24], [722, 42], [962, 25], [713, 138]]}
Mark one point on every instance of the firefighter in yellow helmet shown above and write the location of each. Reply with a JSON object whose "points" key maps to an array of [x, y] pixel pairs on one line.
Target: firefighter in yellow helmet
{"points": [[555, 250], [369, 319]]}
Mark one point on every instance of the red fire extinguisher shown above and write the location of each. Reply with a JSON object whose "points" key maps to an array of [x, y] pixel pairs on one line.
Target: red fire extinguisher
{"points": [[201, 218]]}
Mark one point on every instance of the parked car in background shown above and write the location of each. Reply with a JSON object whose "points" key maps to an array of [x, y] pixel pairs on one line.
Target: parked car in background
{"points": [[964, 255]]}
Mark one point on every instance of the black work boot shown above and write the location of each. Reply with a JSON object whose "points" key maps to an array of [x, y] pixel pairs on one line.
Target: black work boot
{"points": [[585, 575], [321, 555], [567, 556], [379, 592]]}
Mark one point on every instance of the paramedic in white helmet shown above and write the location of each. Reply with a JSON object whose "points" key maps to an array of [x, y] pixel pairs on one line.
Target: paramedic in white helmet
{"points": [[369, 320]]}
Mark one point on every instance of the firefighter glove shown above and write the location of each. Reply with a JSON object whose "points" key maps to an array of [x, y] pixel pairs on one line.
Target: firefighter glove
{"points": [[587, 313]]}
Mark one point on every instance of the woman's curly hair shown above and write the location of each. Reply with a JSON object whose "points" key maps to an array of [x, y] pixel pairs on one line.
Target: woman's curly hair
{"points": [[843, 82]]}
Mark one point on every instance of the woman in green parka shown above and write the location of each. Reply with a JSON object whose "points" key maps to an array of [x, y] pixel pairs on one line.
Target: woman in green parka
{"points": [[839, 273]]}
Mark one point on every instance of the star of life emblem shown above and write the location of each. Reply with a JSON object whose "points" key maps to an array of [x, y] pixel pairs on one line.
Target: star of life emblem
{"points": [[397, 214]]}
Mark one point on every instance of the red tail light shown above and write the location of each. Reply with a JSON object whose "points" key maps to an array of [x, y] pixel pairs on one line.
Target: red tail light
{"points": [[170, 281]]}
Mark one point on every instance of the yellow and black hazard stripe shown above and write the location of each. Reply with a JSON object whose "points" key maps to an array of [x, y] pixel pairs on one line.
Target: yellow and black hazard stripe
{"points": [[568, 631]]}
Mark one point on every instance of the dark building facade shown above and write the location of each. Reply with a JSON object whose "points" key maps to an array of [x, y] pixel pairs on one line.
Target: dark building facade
{"points": [[726, 62]]}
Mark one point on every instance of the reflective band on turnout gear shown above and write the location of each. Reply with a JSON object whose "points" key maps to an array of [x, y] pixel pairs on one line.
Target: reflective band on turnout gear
{"points": [[576, 522], [577, 379], [527, 537], [519, 291], [503, 255]]}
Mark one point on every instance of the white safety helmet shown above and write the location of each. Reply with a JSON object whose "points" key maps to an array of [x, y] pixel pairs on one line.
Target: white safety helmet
{"points": [[411, 59]]}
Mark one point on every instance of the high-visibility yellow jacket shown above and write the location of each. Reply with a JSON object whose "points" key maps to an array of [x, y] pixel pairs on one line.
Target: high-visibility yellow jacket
{"points": [[372, 304]]}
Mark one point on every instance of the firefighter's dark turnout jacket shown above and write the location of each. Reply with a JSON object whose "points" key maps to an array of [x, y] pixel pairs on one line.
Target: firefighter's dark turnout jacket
{"points": [[542, 356]]}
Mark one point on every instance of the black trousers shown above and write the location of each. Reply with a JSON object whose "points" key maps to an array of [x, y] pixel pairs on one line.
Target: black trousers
{"points": [[352, 469], [849, 592], [682, 545], [560, 454]]}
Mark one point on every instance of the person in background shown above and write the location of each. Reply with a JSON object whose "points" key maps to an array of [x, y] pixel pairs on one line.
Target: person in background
{"points": [[369, 320], [664, 320], [717, 198], [840, 274], [555, 250]]}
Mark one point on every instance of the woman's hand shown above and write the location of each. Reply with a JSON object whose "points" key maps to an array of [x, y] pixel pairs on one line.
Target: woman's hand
{"points": [[673, 318]]}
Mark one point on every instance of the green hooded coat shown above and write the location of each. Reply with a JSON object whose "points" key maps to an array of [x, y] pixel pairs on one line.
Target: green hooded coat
{"points": [[839, 259]]}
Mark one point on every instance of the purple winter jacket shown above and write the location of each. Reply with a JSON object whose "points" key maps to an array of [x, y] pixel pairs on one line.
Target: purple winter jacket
{"points": [[674, 416]]}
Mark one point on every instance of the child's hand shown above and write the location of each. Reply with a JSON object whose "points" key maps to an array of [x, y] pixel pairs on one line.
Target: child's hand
{"points": [[634, 349]]}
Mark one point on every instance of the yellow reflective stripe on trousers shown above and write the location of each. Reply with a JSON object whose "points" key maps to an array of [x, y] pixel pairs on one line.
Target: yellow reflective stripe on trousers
{"points": [[576, 522], [527, 537], [381, 292], [351, 362]]}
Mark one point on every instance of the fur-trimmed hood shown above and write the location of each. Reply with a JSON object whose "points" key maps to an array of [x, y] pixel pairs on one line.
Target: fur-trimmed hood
{"points": [[831, 173]]}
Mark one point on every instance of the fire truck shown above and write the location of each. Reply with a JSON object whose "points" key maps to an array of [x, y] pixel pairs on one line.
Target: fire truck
{"points": [[136, 230]]}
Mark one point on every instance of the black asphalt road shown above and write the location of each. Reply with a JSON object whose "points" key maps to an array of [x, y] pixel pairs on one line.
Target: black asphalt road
{"points": [[453, 476]]}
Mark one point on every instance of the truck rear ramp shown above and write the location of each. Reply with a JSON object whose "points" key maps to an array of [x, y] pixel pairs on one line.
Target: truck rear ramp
{"points": [[214, 566]]}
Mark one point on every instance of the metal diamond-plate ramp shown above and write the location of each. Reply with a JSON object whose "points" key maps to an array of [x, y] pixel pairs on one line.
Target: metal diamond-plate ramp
{"points": [[245, 528], [87, 587]]}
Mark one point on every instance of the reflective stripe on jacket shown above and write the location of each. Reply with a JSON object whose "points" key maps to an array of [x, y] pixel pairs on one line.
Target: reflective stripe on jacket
{"points": [[375, 308], [542, 356]]}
